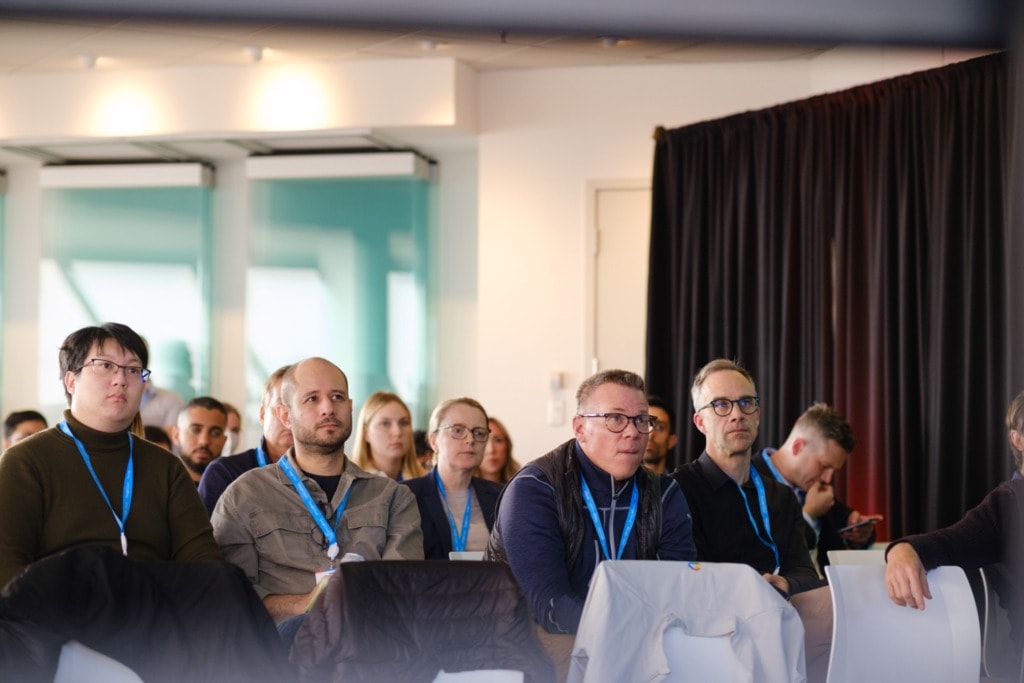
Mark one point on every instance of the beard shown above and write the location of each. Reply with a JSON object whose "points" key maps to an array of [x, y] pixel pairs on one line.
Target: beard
{"points": [[320, 443], [653, 458], [197, 465]]}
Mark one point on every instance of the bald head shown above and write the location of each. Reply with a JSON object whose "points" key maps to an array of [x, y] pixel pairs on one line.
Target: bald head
{"points": [[316, 407]]}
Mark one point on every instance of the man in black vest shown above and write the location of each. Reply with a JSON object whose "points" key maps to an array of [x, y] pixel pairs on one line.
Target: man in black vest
{"points": [[567, 511]]}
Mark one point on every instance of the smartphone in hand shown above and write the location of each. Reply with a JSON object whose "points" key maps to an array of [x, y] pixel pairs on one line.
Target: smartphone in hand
{"points": [[862, 523]]}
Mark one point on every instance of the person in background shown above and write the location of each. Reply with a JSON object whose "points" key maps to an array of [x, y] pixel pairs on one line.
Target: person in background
{"points": [[819, 443], [663, 436], [291, 523], [424, 454], [21, 424], [384, 443], [160, 407], [456, 508], [88, 481], [275, 441], [157, 435], [199, 435], [233, 431], [1015, 433], [498, 464]]}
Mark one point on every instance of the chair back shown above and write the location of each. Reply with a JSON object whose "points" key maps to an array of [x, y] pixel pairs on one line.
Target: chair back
{"points": [[81, 664], [685, 621], [876, 640], [420, 621], [873, 556]]}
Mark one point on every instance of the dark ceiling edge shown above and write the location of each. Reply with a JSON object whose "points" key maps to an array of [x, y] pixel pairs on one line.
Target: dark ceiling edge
{"points": [[952, 23]]}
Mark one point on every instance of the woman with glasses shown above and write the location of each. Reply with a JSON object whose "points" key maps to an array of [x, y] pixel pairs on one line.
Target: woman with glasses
{"points": [[456, 508], [384, 443], [498, 464]]}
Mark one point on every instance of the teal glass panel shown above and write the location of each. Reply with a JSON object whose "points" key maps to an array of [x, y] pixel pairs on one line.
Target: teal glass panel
{"points": [[138, 256], [340, 269]]}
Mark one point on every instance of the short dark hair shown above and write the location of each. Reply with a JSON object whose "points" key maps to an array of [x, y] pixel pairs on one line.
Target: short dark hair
{"points": [[156, 434], [207, 402], [717, 365], [658, 402], [12, 421], [830, 424], [76, 347], [621, 377]]}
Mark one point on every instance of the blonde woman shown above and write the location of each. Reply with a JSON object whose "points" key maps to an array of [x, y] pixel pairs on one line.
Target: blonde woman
{"points": [[498, 464], [384, 442], [456, 508]]}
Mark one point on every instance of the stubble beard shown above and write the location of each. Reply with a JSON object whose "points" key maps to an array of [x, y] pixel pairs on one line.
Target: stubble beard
{"points": [[315, 445]]}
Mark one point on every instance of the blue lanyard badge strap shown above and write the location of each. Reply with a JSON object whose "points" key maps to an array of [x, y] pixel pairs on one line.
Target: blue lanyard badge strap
{"points": [[458, 539], [126, 487], [330, 533], [602, 538], [762, 500]]}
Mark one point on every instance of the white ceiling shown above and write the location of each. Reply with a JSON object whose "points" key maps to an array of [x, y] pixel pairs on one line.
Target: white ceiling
{"points": [[31, 45], [40, 45]]}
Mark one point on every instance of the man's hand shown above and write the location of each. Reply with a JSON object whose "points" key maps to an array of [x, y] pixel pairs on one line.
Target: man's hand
{"points": [[905, 577], [820, 500], [778, 582], [283, 606], [860, 536]]}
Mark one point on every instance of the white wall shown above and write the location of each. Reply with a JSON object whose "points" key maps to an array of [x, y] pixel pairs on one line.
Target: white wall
{"points": [[512, 211]]}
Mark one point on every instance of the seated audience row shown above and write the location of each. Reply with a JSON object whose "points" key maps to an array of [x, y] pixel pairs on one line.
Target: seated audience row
{"points": [[288, 512]]}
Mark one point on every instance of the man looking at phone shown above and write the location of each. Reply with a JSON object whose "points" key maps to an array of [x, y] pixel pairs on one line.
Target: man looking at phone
{"points": [[818, 444]]}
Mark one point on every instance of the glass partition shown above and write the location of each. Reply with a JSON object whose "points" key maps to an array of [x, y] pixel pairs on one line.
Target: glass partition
{"points": [[339, 269], [138, 256]]}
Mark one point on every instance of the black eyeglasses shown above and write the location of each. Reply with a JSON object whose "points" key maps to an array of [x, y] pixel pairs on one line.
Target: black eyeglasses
{"points": [[617, 422], [723, 406], [106, 368]]}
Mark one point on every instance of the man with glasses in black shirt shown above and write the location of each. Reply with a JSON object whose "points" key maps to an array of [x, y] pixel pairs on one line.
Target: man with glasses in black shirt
{"points": [[740, 516]]}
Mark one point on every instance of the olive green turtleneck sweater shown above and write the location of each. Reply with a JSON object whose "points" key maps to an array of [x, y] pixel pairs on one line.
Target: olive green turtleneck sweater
{"points": [[50, 503]]}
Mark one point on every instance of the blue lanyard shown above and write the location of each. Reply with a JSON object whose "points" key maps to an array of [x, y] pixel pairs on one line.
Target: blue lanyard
{"points": [[458, 540], [767, 457], [261, 454], [330, 533], [762, 500], [126, 490], [588, 498]]}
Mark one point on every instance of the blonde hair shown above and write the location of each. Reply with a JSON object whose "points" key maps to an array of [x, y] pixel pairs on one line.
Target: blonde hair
{"points": [[363, 455], [511, 466]]}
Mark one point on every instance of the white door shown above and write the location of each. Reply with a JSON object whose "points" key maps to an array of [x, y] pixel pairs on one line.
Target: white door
{"points": [[622, 217]]}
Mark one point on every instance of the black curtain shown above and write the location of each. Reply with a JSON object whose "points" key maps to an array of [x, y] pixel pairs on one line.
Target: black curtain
{"points": [[851, 248]]}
